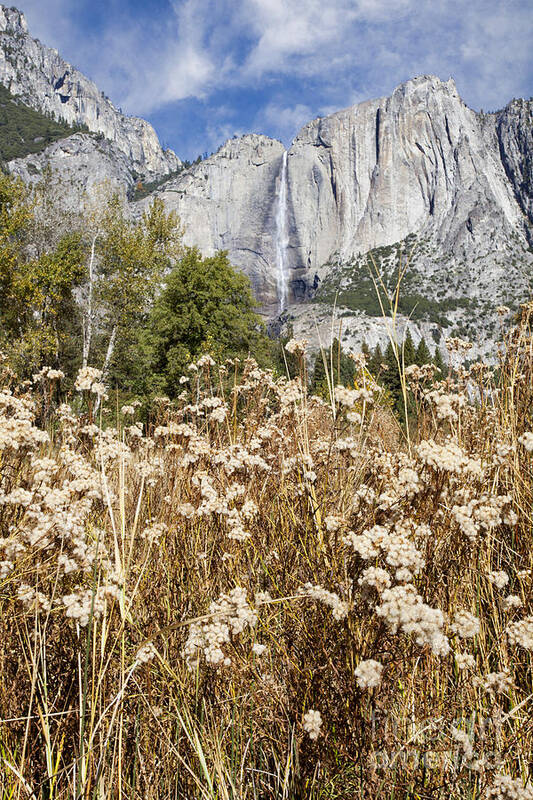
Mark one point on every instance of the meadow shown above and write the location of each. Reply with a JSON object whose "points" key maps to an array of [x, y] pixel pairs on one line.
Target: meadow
{"points": [[257, 593]]}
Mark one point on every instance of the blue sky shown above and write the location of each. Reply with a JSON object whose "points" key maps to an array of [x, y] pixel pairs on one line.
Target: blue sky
{"points": [[203, 70]]}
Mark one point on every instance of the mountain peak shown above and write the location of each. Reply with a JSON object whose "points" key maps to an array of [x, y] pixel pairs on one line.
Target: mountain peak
{"points": [[12, 20], [49, 84], [426, 84]]}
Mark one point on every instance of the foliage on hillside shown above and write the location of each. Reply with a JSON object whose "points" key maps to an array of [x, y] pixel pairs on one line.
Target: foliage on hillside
{"points": [[37, 307], [143, 188], [24, 130], [364, 282]]}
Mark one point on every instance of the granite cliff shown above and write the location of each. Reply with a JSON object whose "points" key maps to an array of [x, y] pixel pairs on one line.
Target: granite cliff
{"points": [[416, 181], [417, 173], [46, 82]]}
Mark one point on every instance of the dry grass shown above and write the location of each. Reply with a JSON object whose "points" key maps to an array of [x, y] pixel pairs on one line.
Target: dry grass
{"points": [[136, 535]]}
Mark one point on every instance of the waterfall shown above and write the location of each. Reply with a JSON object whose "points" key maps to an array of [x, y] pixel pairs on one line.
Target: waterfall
{"points": [[282, 238]]}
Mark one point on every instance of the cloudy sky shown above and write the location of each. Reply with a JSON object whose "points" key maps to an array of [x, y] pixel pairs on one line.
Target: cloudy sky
{"points": [[204, 70]]}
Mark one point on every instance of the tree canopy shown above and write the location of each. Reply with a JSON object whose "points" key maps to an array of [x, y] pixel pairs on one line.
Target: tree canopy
{"points": [[206, 306]]}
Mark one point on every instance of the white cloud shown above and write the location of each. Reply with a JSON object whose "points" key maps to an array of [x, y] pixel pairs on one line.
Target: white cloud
{"points": [[49, 21], [283, 122], [219, 133], [338, 51]]}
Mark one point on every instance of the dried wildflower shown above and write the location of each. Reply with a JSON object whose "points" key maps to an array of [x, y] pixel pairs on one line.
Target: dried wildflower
{"points": [[296, 346], [527, 441], [146, 653], [32, 599], [457, 345], [465, 624], [229, 616], [258, 649], [375, 577], [447, 406], [333, 523], [521, 633], [218, 414], [495, 682], [86, 603], [87, 379], [502, 451], [153, 532], [499, 579], [505, 788], [510, 518], [395, 545], [205, 361], [511, 602], [49, 373], [463, 740], [349, 397], [339, 608], [465, 661], [312, 723], [5, 568], [368, 674], [403, 609], [448, 457]]}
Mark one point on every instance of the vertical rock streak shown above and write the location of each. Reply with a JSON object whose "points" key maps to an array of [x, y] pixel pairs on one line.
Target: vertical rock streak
{"points": [[282, 237]]}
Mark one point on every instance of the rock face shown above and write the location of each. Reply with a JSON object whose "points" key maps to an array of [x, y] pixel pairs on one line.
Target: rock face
{"points": [[373, 174], [228, 202], [49, 84], [514, 127], [418, 167], [84, 170], [419, 162]]}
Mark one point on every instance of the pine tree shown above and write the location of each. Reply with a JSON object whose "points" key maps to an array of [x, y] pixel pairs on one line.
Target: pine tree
{"points": [[439, 363], [340, 366], [284, 363], [205, 306], [319, 383], [376, 360], [423, 356], [408, 354], [391, 377]]}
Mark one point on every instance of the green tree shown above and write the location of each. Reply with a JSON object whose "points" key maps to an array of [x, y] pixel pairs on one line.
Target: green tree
{"points": [[341, 368], [47, 311], [408, 355], [391, 376], [131, 260], [423, 356], [439, 363], [284, 363], [15, 217], [376, 360], [205, 306], [37, 308]]}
